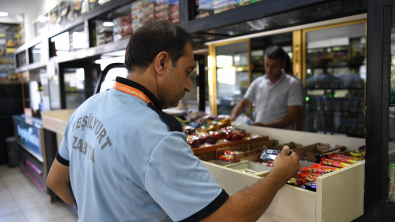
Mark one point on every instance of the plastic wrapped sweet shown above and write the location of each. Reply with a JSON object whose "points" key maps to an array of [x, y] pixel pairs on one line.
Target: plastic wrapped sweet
{"points": [[188, 130], [194, 141]]}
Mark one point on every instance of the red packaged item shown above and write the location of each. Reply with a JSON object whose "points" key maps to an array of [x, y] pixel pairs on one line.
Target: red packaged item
{"points": [[175, 8], [334, 163], [220, 135], [343, 160], [194, 141], [162, 7], [317, 168], [162, 15], [174, 15], [188, 130], [319, 171], [230, 155], [266, 163], [295, 182], [312, 177], [202, 135]]}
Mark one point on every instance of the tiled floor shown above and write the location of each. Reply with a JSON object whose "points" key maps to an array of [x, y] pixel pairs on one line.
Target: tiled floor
{"points": [[22, 201]]}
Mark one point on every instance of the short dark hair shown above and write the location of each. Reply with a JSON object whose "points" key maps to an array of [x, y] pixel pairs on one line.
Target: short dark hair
{"points": [[275, 52], [152, 38], [288, 65]]}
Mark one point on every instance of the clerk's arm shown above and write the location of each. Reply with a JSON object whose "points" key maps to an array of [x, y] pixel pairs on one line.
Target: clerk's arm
{"points": [[58, 180], [287, 120], [238, 109], [251, 203]]}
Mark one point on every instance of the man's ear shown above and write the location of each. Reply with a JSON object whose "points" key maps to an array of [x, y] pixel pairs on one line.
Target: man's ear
{"points": [[161, 62]]}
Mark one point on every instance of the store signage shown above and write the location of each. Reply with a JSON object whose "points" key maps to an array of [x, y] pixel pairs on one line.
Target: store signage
{"points": [[29, 136]]}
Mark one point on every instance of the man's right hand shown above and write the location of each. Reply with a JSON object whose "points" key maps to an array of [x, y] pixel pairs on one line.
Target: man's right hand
{"points": [[286, 165]]}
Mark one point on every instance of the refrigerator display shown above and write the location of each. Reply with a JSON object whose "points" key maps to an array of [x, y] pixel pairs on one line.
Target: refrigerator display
{"points": [[335, 75]]}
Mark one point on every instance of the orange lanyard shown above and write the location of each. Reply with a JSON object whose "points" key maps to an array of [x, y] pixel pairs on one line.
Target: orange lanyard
{"points": [[132, 91]]}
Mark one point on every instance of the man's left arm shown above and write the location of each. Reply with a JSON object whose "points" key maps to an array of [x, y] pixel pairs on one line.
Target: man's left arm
{"points": [[58, 180], [285, 121]]}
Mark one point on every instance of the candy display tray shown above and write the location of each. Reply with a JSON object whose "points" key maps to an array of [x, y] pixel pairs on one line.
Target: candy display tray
{"points": [[339, 195]]}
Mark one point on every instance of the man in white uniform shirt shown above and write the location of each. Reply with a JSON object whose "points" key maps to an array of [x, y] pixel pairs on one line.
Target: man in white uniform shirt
{"points": [[277, 96]]}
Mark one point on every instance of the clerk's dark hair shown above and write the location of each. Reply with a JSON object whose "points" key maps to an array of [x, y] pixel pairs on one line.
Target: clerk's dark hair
{"points": [[152, 38], [275, 52], [288, 65]]}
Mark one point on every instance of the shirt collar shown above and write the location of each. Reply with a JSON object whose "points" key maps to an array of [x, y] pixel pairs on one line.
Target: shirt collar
{"points": [[135, 85], [278, 81]]}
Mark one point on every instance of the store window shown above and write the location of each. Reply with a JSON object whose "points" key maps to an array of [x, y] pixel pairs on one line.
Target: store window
{"points": [[335, 76]]}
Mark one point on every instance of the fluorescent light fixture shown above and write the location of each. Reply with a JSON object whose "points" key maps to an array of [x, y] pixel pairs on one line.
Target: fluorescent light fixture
{"points": [[108, 24], [3, 13]]}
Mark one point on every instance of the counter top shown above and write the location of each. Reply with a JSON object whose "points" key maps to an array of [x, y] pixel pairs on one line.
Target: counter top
{"points": [[56, 120]]}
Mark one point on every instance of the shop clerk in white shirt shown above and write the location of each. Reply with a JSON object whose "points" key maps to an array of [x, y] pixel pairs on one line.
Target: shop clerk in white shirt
{"points": [[277, 96], [139, 167]]}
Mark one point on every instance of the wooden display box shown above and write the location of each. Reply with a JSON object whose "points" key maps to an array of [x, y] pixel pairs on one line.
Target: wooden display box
{"points": [[263, 143], [295, 146], [260, 169], [311, 150], [246, 142], [208, 149], [339, 196], [236, 157]]}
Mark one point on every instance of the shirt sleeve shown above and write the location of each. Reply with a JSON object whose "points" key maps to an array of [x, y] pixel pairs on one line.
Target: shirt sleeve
{"points": [[250, 94], [295, 95], [179, 182], [63, 153]]}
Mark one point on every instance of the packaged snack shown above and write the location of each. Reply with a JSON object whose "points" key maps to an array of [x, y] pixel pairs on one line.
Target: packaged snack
{"points": [[188, 129], [162, 7], [268, 163], [270, 154], [202, 135], [194, 141], [310, 186], [334, 163], [295, 182], [316, 170]]}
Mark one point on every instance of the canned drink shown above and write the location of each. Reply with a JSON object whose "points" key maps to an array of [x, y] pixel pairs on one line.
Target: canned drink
{"points": [[391, 189]]}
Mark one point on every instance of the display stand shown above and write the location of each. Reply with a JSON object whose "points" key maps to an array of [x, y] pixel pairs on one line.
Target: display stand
{"points": [[339, 195]]}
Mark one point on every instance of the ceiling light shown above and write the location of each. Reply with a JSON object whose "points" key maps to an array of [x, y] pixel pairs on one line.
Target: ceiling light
{"points": [[108, 24], [3, 13]]}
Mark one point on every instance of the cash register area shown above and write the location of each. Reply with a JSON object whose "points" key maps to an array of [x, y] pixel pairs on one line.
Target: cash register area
{"points": [[22, 201]]}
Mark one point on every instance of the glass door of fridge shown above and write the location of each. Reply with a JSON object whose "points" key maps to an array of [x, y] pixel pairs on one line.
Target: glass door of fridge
{"points": [[391, 128], [335, 76]]}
